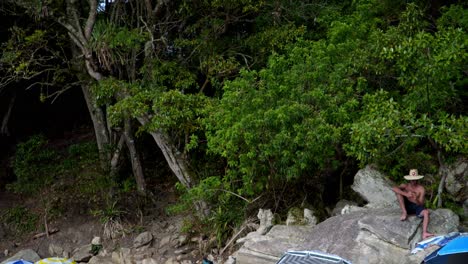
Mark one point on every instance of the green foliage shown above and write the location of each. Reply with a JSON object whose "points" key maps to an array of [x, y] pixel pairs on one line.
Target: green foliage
{"points": [[29, 55], [323, 81], [114, 44], [110, 212], [95, 249], [454, 16], [85, 153], [286, 120], [33, 165], [402, 120], [20, 219], [224, 217]]}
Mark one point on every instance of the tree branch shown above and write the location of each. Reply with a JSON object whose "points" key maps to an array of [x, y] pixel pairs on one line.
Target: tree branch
{"points": [[91, 19]]}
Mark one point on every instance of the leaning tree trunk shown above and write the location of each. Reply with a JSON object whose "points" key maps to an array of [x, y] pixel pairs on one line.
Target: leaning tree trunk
{"points": [[178, 164], [134, 156], [174, 159]]}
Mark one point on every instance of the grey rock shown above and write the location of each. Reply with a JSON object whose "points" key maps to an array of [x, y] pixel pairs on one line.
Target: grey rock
{"points": [[309, 218], [374, 235], [55, 250], [182, 240], [123, 256], [164, 241], [230, 260], [181, 251], [101, 260], [25, 254], [270, 247], [443, 221], [82, 254], [96, 241], [266, 221], [142, 239], [347, 209], [171, 261], [386, 226], [340, 205], [373, 187], [457, 180], [149, 261]]}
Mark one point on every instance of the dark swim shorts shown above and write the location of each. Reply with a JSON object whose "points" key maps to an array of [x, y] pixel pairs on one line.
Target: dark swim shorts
{"points": [[412, 208]]}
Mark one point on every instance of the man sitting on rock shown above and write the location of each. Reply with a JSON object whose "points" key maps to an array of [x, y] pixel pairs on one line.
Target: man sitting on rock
{"points": [[411, 199]]}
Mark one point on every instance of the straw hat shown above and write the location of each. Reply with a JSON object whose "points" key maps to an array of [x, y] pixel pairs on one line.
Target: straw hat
{"points": [[413, 175]]}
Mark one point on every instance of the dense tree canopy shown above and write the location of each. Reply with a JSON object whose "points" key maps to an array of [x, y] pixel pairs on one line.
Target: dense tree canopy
{"points": [[245, 98]]}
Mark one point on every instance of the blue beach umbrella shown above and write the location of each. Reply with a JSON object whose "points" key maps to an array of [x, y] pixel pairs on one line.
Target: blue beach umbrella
{"points": [[19, 262], [454, 252]]}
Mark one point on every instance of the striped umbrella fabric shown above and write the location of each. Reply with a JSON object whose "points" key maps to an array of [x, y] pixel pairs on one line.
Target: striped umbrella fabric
{"points": [[311, 257], [55, 261]]}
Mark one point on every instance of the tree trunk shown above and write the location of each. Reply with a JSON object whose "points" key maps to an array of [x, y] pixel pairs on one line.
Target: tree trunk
{"points": [[134, 157], [443, 174], [178, 165], [4, 129], [174, 159], [98, 118], [80, 36], [114, 163]]}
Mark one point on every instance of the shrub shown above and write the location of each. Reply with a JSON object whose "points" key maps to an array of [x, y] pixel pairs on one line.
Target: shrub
{"points": [[20, 219], [33, 165]]}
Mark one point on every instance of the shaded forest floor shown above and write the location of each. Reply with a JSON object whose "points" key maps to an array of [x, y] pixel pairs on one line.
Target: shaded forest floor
{"points": [[76, 223], [74, 231]]}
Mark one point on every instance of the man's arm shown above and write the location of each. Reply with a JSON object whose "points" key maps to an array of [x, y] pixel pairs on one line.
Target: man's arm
{"points": [[401, 190]]}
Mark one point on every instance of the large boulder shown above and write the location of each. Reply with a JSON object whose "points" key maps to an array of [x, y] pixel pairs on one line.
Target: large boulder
{"points": [[371, 236], [25, 254], [456, 182], [268, 249], [375, 188], [83, 253]]}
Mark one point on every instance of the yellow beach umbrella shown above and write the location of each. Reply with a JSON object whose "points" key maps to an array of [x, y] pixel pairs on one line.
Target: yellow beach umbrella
{"points": [[55, 261]]}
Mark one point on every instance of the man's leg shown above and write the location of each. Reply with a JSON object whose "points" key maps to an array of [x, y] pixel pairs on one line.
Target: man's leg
{"points": [[401, 202], [425, 214]]}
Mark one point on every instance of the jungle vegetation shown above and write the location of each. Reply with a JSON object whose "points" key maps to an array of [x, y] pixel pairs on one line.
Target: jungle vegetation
{"points": [[253, 104]]}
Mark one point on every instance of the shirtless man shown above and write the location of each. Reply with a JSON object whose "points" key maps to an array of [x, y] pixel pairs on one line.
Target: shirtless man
{"points": [[411, 199]]}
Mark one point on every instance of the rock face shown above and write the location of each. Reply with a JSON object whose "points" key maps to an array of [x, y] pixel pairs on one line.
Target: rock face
{"points": [[26, 254], [371, 236], [374, 188], [142, 239], [457, 180], [269, 248], [266, 221]]}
